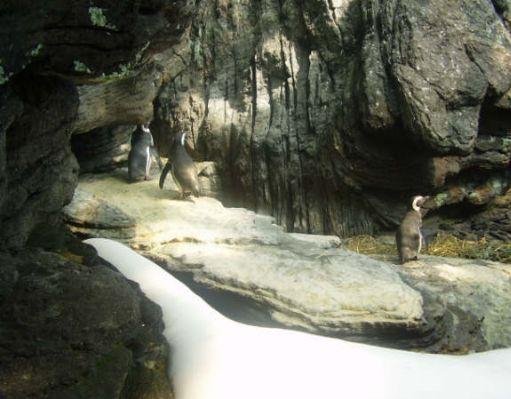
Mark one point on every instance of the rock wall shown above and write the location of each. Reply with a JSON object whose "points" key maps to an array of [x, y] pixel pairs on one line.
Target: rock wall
{"points": [[70, 327], [39, 170], [74, 328], [102, 149], [68, 67], [329, 115]]}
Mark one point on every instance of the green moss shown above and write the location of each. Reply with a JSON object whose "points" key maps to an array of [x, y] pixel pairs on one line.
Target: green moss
{"points": [[125, 70], [440, 199], [81, 67], [98, 18], [3, 78], [36, 50]]}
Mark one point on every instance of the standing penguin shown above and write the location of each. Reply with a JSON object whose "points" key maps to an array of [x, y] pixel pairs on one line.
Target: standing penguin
{"points": [[141, 154], [182, 167], [409, 237]]}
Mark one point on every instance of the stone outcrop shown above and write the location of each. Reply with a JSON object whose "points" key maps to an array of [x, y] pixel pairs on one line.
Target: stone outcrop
{"points": [[39, 172], [71, 327], [325, 114], [304, 281], [69, 67], [330, 115], [103, 149], [470, 295], [492, 223]]}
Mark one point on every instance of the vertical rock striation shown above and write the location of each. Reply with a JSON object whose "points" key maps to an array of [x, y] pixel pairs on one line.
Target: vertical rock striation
{"points": [[70, 327], [329, 114]]}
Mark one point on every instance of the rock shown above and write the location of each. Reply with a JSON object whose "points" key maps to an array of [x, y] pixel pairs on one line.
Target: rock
{"points": [[492, 223], [102, 149], [307, 282], [331, 117], [87, 212], [209, 180], [473, 295], [69, 330], [79, 38], [40, 171], [74, 330], [245, 253], [56, 80], [304, 285]]}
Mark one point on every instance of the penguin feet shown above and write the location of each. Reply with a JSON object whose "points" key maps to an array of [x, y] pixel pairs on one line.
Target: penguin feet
{"points": [[187, 197]]}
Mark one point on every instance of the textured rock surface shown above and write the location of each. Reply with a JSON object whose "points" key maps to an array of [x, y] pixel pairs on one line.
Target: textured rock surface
{"points": [[330, 114], [472, 294], [88, 212], [71, 327], [308, 282], [39, 170], [69, 67], [82, 38], [494, 222], [242, 252], [102, 149]]}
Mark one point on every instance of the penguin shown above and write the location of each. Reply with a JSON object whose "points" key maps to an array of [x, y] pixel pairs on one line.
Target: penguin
{"points": [[409, 237], [141, 153], [182, 168], [213, 357]]}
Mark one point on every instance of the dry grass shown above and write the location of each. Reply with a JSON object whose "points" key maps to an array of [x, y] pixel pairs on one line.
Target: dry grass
{"points": [[443, 245], [365, 244]]}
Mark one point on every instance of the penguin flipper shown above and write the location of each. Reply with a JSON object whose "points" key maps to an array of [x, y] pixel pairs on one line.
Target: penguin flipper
{"points": [[164, 173]]}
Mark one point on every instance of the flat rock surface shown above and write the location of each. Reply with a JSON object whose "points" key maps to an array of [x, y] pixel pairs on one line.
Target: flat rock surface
{"points": [[473, 289], [308, 282]]}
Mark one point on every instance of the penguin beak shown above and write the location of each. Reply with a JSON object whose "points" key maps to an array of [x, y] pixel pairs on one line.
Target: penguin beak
{"points": [[425, 202]]}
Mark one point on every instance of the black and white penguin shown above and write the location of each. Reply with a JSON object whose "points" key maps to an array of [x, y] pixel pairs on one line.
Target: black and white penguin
{"points": [[182, 168], [409, 238], [141, 154]]}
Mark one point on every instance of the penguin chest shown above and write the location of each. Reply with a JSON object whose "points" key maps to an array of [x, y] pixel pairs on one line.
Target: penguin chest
{"points": [[175, 177], [148, 162]]}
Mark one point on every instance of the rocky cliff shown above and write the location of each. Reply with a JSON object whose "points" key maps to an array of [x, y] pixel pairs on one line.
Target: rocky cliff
{"points": [[326, 114], [330, 114], [70, 326]]}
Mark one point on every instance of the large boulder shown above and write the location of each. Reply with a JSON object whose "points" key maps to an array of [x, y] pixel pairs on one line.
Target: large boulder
{"points": [[302, 281], [72, 327]]}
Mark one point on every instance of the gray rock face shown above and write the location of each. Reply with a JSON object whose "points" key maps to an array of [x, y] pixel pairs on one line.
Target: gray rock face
{"points": [[40, 171], [72, 328], [78, 37], [47, 52], [66, 67], [307, 282], [103, 149], [473, 295], [304, 280], [330, 115], [86, 211], [304, 284]]}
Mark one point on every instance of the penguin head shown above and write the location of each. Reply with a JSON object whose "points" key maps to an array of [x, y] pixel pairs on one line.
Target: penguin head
{"points": [[182, 138], [418, 201], [179, 139], [145, 127]]}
